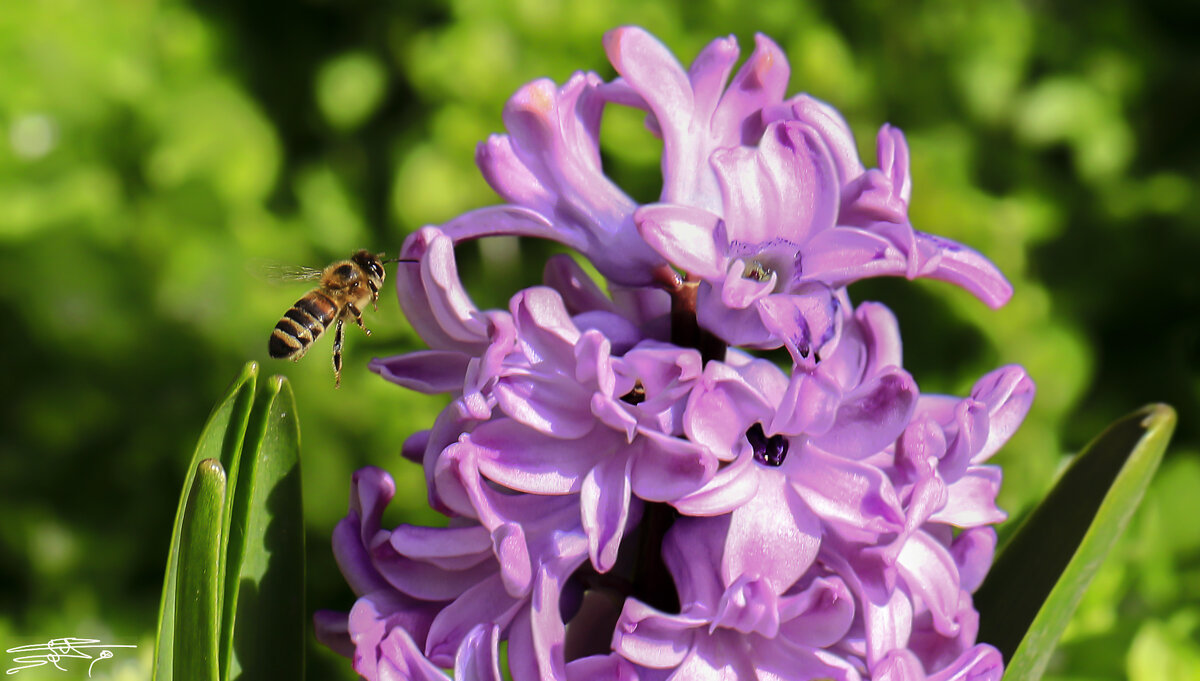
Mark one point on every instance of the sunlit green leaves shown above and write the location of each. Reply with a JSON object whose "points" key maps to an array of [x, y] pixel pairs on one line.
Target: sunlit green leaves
{"points": [[1041, 574], [233, 598]]}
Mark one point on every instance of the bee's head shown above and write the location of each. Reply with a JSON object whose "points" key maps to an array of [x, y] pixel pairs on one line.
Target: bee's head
{"points": [[370, 263]]}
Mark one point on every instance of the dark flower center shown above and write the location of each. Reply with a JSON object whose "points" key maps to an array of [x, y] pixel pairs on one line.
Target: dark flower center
{"points": [[635, 396], [757, 271], [769, 451]]}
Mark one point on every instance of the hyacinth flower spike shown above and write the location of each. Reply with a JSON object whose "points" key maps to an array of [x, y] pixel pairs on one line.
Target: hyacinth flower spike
{"points": [[629, 493]]}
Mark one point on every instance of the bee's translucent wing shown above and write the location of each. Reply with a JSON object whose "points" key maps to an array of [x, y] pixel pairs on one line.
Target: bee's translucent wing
{"points": [[281, 272]]}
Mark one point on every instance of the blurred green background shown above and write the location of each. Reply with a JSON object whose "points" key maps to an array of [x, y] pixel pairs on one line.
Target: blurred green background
{"points": [[153, 153]]}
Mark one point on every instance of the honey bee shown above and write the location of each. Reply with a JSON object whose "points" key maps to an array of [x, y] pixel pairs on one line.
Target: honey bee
{"points": [[346, 286]]}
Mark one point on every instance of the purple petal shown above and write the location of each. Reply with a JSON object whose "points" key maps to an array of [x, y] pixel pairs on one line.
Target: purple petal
{"points": [[685, 236], [452, 548], [973, 550], [773, 537], [427, 371], [871, 417], [839, 257], [831, 127], [930, 572], [665, 468], [579, 292], [400, 659], [601, 668], [604, 507], [785, 191], [806, 322], [720, 410], [548, 404], [523, 459], [478, 658], [1008, 393], [971, 500], [432, 296], [808, 406], [730, 488], [819, 616], [545, 328], [708, 74], [898, 665], [964, 267], [486, 602], [891, 152], [980, 663], [505, 221], [760, 82], [749, 606], [692, 551], [652, 639], [871, 198], [853, 498]]}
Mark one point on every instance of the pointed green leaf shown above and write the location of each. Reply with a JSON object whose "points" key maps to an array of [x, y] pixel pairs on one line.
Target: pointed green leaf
{"points": [[198, 581], [263, 632], [220, 440], [1041, 574]]}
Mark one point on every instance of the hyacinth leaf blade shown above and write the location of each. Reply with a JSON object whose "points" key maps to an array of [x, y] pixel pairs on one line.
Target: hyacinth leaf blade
{"points": [[221, 441], [1040, 576], [198, 581], [263, 619]]}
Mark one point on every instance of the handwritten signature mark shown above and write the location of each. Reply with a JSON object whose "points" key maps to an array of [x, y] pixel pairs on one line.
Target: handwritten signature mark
{"points": [[58, 650]]}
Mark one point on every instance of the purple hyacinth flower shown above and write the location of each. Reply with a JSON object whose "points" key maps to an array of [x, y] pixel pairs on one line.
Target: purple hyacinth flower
{"points": [[766, 201], [565, 416], [548, 168], [424, 593]]}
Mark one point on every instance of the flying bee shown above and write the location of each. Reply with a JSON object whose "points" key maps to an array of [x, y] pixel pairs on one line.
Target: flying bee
{"points": [[346, 287]]}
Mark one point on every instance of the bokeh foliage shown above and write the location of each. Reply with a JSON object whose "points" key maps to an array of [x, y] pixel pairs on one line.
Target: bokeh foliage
{"points": [[153, 153]]}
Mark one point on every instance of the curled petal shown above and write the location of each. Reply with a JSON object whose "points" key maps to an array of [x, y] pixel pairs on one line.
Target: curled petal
{"points": [[965, 267], [432, 295], [760, 82], [980, 663], [478, 657], [523, 459], [930, 572], [820, 615], [604, 507], [832, 128], [652, 639], [426, 371], [853, 498], [773, 537], [973, 550], [687, 237], [730, 488], [666, 468], [871, 417], [486, 602], [1008, 393], [971, 500], [779, 194]]}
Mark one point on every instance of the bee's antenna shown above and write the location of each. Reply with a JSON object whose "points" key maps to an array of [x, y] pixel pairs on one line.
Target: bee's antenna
{"points": [[396, 259]]}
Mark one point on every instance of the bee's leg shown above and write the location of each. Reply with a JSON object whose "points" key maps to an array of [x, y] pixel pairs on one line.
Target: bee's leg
{"points": [[357, 317], [338, 334]]}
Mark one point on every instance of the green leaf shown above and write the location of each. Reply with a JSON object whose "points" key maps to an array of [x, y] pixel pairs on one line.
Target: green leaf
{"points": [[1040, 576], [198, 581], [221, 440], [263, 631]]}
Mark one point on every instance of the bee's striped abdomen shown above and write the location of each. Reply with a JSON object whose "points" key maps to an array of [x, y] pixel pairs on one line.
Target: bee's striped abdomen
{"points": [[302, 325]]}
